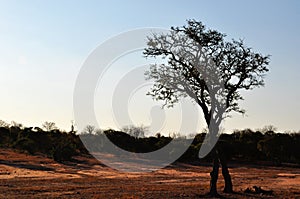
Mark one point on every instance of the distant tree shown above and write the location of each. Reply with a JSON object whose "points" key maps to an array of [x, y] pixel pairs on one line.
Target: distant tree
{"points": [[197, 59], [158, 135], [176, 135], [269, 128], [135, 131], [99, 132], [191, 135], [49, 126], [89, 129], [4, 124], [16, 124]]}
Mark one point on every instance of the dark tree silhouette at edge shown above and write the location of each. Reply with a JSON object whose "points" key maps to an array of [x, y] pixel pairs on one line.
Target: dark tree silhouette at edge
{"points": [[185, 49]]}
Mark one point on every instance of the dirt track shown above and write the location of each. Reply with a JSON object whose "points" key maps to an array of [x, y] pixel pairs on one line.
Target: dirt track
{"points": [[24, 176]]}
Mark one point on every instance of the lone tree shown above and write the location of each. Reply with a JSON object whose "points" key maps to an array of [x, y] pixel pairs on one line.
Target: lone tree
{"points": [[89, 129], [201, 64], [49, 126]]}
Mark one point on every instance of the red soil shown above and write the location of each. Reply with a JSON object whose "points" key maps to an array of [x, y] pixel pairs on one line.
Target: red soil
{"points": [[26, 176]]}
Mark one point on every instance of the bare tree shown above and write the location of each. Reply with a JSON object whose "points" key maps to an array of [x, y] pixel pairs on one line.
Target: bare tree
{"points": [[135, 131], [269, 128], [98, 131], [16, 124], [4, 124], [89, 129], [49, 126], [202, 65]]}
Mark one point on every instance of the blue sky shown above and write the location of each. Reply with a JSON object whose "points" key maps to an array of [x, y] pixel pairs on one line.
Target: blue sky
{"points": [[44, 44]]}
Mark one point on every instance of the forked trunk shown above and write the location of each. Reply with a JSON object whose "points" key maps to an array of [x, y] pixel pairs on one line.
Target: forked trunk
{"points": [[217, 159]]}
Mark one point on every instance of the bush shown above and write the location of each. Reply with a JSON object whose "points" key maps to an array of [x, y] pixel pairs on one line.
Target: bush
{"points": [[25, 144], [64, 152]]}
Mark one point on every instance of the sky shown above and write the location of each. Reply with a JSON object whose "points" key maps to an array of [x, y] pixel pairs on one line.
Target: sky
{"points": [[43, 45]]}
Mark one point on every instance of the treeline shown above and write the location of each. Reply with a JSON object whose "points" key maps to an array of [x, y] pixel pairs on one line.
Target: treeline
{"points": [[55, 144], [242, 145]]}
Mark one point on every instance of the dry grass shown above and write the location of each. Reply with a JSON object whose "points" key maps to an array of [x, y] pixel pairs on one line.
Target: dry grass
{"points": [[25, 176]]}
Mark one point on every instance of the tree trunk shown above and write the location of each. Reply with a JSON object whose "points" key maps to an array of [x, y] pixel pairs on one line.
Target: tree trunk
{"points": [[227, 177], [214, 174]]}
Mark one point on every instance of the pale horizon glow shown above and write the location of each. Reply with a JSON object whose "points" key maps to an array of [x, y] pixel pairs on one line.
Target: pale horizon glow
{"points": [[44, 44]]}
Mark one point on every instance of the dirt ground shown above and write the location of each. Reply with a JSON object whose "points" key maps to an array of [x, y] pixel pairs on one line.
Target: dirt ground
{"points": [[25, 176]]}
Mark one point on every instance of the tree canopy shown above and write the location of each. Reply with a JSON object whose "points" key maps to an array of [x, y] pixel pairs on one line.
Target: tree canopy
{"points": [[199, 59]]}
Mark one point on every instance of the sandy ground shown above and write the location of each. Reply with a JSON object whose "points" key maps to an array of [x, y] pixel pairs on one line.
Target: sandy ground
{"points": [[25, 176]]}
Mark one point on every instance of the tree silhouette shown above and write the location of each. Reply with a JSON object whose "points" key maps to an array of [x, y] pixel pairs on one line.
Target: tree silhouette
{"points": [[89, 129], [135, 131], [268, 128], [201, 64], [49, 126], [3, 124], [16, 124]]}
